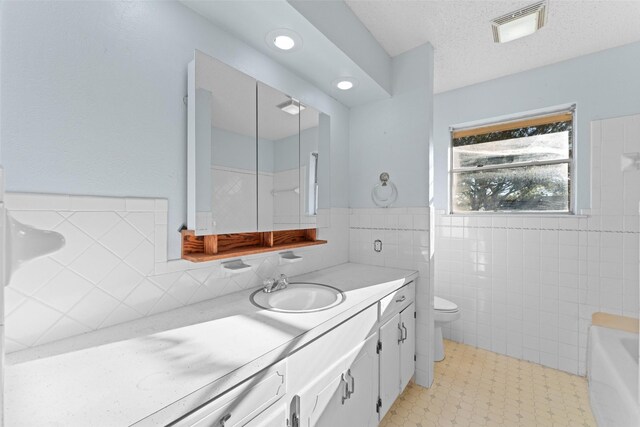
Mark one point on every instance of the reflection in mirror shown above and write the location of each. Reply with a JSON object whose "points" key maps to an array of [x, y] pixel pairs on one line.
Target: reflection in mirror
{"points": [[310, 162], [225, 149], [278, 160]]}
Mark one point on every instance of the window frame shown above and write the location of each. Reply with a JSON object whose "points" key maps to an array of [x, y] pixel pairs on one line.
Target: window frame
{"points": [[572, 176]]}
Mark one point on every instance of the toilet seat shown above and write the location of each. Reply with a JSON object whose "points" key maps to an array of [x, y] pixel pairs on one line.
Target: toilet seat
{"points": [[444, 306]]}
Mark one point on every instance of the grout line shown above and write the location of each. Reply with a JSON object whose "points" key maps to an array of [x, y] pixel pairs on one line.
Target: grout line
{"points": [[536, 229], [388, 228]]}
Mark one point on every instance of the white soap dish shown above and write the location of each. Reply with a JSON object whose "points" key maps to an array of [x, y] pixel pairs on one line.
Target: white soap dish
{"points": [[236, 266], [289, 257]]}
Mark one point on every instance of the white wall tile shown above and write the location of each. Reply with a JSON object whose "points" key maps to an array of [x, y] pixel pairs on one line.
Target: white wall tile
{"points": [[546, 276]]}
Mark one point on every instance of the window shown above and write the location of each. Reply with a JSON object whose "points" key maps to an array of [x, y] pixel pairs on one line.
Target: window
{"points": [[523, 165], [312, 201]]}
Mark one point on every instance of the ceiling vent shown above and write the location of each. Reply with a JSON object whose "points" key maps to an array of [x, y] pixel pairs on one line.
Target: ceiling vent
{"points": [[521, 23]]}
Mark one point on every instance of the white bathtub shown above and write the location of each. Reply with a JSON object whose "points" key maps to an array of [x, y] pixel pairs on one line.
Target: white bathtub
{"points": [[613, 377]]}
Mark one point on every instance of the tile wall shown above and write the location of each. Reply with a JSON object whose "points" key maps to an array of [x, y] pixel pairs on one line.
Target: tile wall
{"points": [[527, 285], [114, 266], [405, 237]]}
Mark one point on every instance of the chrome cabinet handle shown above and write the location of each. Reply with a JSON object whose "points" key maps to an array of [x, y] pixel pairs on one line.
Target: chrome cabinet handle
{"points": [[224, 419], [351, 389], [401, 334], [402, 298], [345, 390], [406, 332]]}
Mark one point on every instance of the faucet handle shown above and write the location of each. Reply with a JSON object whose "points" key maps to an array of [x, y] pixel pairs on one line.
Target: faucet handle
{"points": [[268, 284], [283, 281]]}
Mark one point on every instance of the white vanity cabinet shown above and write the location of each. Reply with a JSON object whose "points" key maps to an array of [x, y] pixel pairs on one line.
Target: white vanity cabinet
{"points": [[397, 345], [348, 377]]}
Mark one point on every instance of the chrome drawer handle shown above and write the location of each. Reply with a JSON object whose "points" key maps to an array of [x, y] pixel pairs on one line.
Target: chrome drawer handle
{"points": [[402, 298]]}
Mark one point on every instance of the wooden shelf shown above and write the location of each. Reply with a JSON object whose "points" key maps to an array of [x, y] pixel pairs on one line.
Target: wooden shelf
{"points": [[220, 246]]}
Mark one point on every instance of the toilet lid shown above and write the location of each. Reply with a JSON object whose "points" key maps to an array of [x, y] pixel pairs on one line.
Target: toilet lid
{"points": [[442, 304]]}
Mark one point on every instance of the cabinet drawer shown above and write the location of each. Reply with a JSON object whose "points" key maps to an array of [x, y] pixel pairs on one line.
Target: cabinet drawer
{"points": [[396, 301], [241, 404]]}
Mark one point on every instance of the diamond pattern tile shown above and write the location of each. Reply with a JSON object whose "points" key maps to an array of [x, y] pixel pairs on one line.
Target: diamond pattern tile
{"points": [[184, 288], [95, 224], [121, 281], [95, 263], [474, 387], [62, 329], [166, 303], [76, 242], [93, 309], [142, 258], [142, 221], [39, 271], [12, 300], [104, 275], [144, 297], [29, 321], [122, 239], [121, 314], [64, 290]]}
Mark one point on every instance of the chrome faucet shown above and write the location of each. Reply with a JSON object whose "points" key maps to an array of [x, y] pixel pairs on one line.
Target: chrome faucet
{"points": [[272, 285]]}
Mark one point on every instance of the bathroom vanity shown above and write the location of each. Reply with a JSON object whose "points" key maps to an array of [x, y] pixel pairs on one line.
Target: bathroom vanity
{"points": [[227, 362]]}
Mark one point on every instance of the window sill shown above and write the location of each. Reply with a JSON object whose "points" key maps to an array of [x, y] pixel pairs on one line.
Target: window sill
{"points": [[514, 214]]}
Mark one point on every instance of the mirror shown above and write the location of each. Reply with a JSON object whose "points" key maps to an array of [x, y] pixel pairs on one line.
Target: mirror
{"points": [[255, 154], [222, 162]]}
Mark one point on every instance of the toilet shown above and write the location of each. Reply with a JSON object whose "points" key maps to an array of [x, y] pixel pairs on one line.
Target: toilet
{"points": [[445, 311]]}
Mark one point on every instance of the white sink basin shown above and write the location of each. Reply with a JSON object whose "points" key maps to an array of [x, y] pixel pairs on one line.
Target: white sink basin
{"points": [[299, 298]]}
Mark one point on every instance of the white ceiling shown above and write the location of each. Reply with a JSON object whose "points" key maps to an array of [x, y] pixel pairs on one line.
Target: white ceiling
{"points": [[461, 34]]}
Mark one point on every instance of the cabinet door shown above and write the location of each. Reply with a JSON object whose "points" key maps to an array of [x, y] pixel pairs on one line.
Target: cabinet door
{"points": [[346, 395], [408, 345], [362, 384], [221, 150], [389, 363]]}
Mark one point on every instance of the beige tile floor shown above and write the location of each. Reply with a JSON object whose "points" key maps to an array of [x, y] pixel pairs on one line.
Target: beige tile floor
{"points": [[476, 387]]}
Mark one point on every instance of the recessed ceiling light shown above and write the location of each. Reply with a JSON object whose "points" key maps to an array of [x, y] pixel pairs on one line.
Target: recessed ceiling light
{"points": [[345, 83], [521, 23], [292, 106], [283, 40]]}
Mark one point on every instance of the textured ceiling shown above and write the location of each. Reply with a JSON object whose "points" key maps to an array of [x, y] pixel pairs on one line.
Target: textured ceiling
{"points": [[461, 34]]}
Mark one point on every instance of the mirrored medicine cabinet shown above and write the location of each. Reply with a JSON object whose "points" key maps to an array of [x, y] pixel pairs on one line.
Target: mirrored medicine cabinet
{"points": [[257, 157]]}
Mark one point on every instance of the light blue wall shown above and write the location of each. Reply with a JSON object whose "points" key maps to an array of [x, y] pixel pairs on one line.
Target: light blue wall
{"points": [[603, 84], [96, 93], [340, 25], [393, 135]]}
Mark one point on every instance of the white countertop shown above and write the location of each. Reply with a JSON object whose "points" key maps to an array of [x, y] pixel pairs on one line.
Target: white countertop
{"points": [[153, 370]]}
